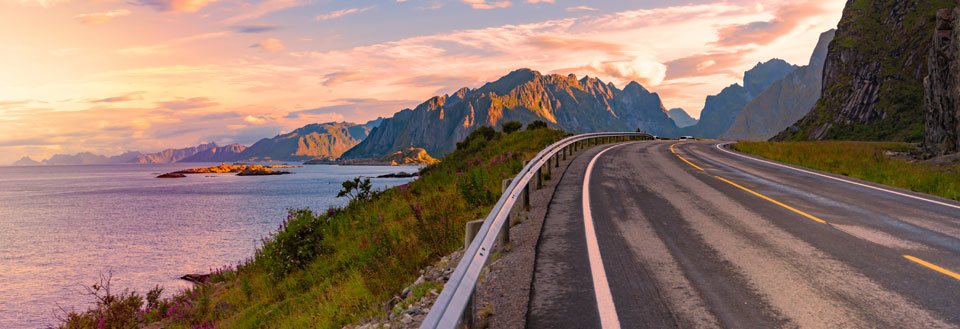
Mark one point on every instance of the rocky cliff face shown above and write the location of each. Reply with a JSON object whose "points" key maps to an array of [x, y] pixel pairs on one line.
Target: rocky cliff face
{"points": [[784, 102], [942, 86], [314, 141], [719, 111], [681, 118], [872, 79], [565, 102], [171, 155], [227, 153]]}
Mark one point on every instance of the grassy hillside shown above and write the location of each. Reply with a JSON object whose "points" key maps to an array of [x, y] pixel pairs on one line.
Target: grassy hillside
{"points": [[325, 270], [864, 160]]}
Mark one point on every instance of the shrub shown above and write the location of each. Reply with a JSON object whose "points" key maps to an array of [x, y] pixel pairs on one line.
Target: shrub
{"points": [[477, 139], [510, 127], [298, 241], [537, 125], [358, 188]]}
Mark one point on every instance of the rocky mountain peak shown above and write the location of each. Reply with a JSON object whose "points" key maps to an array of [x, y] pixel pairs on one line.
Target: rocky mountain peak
{"points": [[510, 81], [762, 75]]}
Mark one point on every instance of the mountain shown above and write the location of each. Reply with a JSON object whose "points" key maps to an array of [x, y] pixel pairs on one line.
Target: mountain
{"points": [[83, 158], [784, 102], [942, 87], [25, 161], [681, 118], [873, 74], [720, 110], [227, 153], [172, 155], [524, 95], [313, 141]]}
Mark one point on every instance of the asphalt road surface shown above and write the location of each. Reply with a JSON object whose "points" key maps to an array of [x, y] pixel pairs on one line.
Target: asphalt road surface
{"points": [[697, 236]]}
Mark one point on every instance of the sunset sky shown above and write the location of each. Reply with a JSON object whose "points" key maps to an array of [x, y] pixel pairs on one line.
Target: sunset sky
{"points": [[111, 75]]}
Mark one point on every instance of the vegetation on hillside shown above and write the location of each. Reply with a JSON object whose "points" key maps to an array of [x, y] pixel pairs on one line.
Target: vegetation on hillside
{"points": [[325, 270], [871, 161]]}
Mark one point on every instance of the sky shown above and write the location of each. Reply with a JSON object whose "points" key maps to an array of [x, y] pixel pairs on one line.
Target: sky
{"points": [[106, 76]]}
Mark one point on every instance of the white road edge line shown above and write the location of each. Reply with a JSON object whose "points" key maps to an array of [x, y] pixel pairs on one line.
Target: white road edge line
{"points": [[601, 287], [720, 147]]}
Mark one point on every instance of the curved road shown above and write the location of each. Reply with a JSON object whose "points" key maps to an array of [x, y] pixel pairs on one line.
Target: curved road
{"points": [[669, 234]]}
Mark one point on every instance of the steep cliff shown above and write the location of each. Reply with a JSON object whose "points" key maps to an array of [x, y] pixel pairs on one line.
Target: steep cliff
{"points": [[784, 102], [564, 102], [720, 110], [313, 141], [942, 86], [872, 79]]}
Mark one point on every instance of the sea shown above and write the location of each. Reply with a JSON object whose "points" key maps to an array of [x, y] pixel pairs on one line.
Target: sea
{"points": [[62, 227]]}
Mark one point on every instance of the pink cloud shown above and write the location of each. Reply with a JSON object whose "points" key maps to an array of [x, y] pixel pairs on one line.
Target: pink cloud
{"points": [[183, 6], [101, 18], [786, 18], [483, 4], [340, 13], [270, 44]]}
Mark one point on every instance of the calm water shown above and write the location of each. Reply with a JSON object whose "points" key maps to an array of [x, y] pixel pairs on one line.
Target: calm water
{"points": [[62, 226]]}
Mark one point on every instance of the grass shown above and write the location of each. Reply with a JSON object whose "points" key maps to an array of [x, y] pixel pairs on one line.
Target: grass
{"points": [[329, 269], [864, 160]]}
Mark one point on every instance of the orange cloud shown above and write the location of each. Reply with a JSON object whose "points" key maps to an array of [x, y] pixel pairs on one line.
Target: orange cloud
{"points": [[269, 44], [786, 18]]}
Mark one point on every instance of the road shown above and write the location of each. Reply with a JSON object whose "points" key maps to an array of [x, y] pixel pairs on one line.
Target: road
{"points": [[666, 234]]}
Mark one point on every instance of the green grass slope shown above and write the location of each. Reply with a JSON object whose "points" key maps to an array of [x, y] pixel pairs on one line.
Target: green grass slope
{"points": [[864, 160], [325, 270]]}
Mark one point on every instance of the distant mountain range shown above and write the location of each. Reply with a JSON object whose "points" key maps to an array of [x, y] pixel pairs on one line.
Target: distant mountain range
{"points": [[720, 110], [314, 141], [681, 118], [784, 102], [565, 102]]}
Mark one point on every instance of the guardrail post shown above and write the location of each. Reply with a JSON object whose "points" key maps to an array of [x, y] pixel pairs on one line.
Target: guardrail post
{"points": [[505, 232], [467, 319], [539, 178], [526, 197], [547, 167]]}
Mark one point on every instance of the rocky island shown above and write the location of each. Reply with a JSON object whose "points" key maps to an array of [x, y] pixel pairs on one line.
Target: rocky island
{"points": [[240, 170]]}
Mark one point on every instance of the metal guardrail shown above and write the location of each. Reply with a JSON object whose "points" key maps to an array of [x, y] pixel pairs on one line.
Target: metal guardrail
{"points": [[452, 305]]}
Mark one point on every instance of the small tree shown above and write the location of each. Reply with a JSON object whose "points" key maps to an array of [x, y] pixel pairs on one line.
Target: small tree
{"points": [[510, 127], [536, 125], [358, 188]]}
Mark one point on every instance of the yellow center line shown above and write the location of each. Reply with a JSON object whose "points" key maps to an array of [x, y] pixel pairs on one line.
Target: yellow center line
{"points": [[933, 267], [926, 264], [684, 160], [798, 211]]}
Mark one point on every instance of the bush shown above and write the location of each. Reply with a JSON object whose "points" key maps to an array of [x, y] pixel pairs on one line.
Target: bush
{"points": [[123, 310], [358, 188], [478, 138], [298, 241], [510, 127], [537, 125]]}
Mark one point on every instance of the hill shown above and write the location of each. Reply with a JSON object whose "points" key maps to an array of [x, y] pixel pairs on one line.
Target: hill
{"points": [[313, 141], [681, 118]]}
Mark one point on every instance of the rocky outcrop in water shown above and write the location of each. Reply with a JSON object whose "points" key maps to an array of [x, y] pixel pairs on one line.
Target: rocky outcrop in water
{"points": [[565, 102], [873, 75], [784, 102], [942, 85]]}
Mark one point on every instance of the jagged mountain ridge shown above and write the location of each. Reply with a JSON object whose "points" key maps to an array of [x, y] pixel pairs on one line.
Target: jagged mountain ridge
{"points": [[314, 141], [172, 155], [226, 153], [720, 110], [872, 80], [784, 102], [681, 117], [565, 102]]}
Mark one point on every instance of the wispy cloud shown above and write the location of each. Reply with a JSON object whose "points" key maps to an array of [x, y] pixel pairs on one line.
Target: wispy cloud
{"points": [[340, 13], [263, 8], [101, 18], [580, 8], [484, 4], [187, 103], [255, 28], [183, 6], [134, 96]]}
